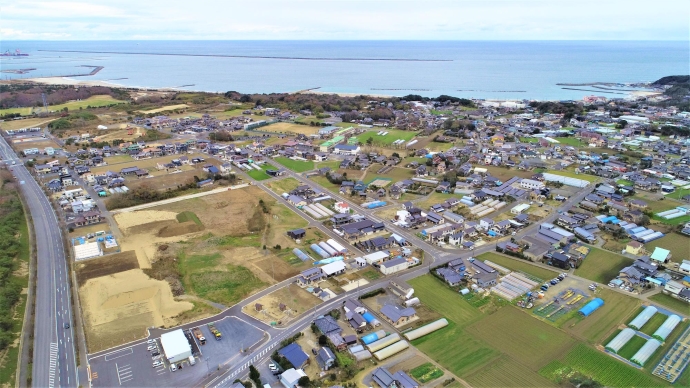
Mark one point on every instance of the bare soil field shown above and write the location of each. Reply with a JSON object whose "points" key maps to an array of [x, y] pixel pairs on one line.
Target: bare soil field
{"points": [[104, 266], [38, 142], [167, 181], [26, 123], [149, 165], [118, 308], [119, 133], [291, 128], [164, 108], [295, 299]]}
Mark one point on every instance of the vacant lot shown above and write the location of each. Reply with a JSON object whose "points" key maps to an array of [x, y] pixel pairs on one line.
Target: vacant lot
{"points": [[25, 123], [291, 128], [617, 309], [518, 265], [295, 300], [584, 177], [504, 174], [144, 164], [164, 108], [395, 174], [296, 165], [602, 266], [93, 101], [433, 199], [517, 334], [393, 135], [670, 302], [506, 372], [104, 266], [678, 244], [283, 186]]}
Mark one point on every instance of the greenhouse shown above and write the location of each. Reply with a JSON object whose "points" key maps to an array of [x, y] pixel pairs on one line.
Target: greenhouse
{"points": [[667, 327], [645, 352], [620, 340], [643, 317], [591, 307], [424, 330]]}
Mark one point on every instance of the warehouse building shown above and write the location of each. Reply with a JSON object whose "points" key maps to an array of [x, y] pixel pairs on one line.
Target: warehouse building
{"points": [[175, 346]]}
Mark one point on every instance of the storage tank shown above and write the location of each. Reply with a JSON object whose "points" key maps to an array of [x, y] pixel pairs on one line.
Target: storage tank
{"points": [[361, 356], [667, 327], [336, 246], [301, 255], [391, 350], [369, 338], [328, 248], [319, 251], [412, 302], [383, 342], [426, 329], [643, 317]]}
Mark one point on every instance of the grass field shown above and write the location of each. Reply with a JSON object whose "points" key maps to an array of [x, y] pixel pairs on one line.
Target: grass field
{"points": [[602, 266], [290, 128], [654, 322], [25, 123], [601, 367], [570, 141], [426, 372], [618, 308], [506, 372], [260, 175], [93, 101], [505, 174], [433, 199], [529, 140], [518, 265], [522, 337], [678, 244], [323, 182], [283, 186], [393, 135], [295, 165], [188, 216], [631, 347], [670, 302], [396, 174], [584, 177], [164, 108]]}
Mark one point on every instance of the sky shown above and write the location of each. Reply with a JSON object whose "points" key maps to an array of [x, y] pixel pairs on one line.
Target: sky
{"points": [[345, 20]]}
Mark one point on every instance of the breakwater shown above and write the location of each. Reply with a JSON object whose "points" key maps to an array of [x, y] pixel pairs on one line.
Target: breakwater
{"points": [[253, 56]]}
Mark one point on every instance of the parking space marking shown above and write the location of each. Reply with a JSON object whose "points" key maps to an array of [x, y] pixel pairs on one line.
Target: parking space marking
{"points": [[124, 373], [53, 363], [118, 354]]}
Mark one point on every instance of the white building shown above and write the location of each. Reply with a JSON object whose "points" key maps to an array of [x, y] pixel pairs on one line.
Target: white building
{"points": [[531, 184], [175, 346], [376, 257], [341, 207], [392, 266], [290, 377], [334, 268], [87, 251], [519, 208]]}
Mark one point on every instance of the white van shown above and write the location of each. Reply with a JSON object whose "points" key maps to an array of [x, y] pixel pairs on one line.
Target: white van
{"points": [[192, 360]]}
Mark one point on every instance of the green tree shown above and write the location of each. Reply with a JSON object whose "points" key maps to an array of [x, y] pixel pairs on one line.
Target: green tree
{"points": [[370, 140], [304, 381]]}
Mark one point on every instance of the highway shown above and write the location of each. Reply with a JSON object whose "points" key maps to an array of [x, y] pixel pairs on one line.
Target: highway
{"points": [[54, 361]]}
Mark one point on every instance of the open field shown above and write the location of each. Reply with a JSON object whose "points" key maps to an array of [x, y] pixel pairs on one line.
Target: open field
{"points": [[426, 372], [291, 128], [584, 177], [145, 164], [25, 123], [522, 337], [39, 143], [119, 134], [283, 185], [506, 372], [168, 181], [433, 199], [164, 108], [617, 309], [296, 300], [605, 369], [518, 265], [295, 165], [504, 174], [602, 266], [93, 101], [678, 244], [396, 174], [323, 182], [393, 135], [260, 175], [670, 302]]}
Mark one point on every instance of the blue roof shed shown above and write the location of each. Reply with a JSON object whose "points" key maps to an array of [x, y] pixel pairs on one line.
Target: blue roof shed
{"points": [[591, 307]]}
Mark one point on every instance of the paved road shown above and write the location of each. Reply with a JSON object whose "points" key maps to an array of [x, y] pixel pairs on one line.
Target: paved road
{"points": [[54, 362]]}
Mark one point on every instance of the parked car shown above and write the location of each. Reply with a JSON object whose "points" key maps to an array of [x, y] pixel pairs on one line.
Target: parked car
{"points": [[157, 363], [152, 348], [173, 367]]}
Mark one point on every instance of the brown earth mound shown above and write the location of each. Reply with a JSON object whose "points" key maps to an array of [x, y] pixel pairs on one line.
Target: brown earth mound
{"points": [[172, 230], [118, 262]]}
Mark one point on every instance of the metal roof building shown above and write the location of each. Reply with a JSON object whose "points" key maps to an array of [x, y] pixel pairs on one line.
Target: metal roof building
{"points": [[591, 307], [175, 346], [643, 317], [620, 340]]}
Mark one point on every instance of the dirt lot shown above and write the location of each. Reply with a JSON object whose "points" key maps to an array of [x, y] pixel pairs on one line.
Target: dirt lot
{"points": [[292, 128], [104, 266], [39, 143], [118, 308], [295, 299], [26, 123], [164, 108], [150, 166], [119, 133]]}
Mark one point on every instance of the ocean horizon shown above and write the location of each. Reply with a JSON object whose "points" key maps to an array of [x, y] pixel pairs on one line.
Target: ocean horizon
{"points": [[470, 69]]}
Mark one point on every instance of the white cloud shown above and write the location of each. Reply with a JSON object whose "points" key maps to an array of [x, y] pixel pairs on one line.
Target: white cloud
{"points": [[347, 19]]}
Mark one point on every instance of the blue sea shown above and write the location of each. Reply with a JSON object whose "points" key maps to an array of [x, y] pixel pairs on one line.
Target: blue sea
{"points": [[471, 69]]}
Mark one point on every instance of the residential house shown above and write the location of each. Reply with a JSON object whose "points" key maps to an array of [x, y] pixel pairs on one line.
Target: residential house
{"points": [[398, 316], [294, 354]]}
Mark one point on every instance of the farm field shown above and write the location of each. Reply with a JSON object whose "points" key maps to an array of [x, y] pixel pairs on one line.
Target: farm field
{"points": [[426, 372], [617, 309], [396, 174], [584, 177], [506, 372], [631, 347], [433, 199], [571, 141], [670, 302], [602, 266], [260, 175], [673, 221], [164, 108], [93, 101], [605, 369], [290, 128], [678, 244], [654, 202], [25, 123], [520, 336], [654, 322], [518, 265], [283, 185], [393, 135], [505, 174], [296, 165]]}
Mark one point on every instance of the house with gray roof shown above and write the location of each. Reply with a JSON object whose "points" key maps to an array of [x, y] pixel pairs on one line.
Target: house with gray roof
{"points": [[398, 316]]}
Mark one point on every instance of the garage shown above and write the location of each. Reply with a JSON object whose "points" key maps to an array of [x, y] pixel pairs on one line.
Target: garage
{"points": [[175, 346]]}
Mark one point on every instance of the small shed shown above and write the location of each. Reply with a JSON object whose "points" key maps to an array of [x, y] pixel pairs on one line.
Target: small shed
{"points": [[296, 233]]}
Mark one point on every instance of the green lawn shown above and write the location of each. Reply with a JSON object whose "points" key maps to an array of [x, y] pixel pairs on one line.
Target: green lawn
{"points": [[601, 266], [670, 302], [260, 175], [631, 347], [518, 265], [625, 182], [584, 177], [393, 135], [93, 101], [571, 141], [295, 165]]}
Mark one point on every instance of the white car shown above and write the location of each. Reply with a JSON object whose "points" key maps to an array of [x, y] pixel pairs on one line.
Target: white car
{"points": [[152, 348], [151, 341], [157, 363], [173, 367]]}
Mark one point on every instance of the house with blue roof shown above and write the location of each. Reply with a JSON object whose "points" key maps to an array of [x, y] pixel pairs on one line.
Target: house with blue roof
{"points": [[295, 355]]}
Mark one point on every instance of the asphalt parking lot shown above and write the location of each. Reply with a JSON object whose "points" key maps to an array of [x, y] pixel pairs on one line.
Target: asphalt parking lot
{"points": [[132, 366]]}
